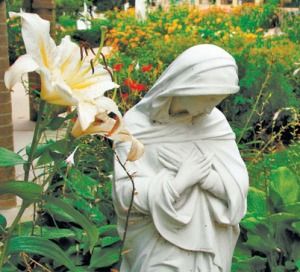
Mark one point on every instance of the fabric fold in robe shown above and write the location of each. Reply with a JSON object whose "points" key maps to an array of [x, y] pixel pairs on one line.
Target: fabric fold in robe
{"points": [[199, 214]]}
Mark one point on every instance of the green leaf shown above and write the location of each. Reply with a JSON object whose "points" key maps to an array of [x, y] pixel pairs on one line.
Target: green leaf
{"points": [[257, 243], [285, 183], [40, 246], [56, 123], [3, 223], [255, 263], [76, 217], [104, 257], [28, 191], [45, 158], [25, 229], [257, 202], [282, 218], [60, 146], [58, 214], [110, 230], [296, 227], [84, 185], [250, 222], [293, 208], [9, 158], [40, 150], [108, 240], [9, 268]]}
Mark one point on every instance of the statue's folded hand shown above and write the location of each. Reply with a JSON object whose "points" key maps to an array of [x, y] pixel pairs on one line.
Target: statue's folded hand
{"points": [[194, 169]]}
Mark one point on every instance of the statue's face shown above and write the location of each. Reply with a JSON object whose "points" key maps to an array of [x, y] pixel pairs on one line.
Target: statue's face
{"points": [[195, 105]]}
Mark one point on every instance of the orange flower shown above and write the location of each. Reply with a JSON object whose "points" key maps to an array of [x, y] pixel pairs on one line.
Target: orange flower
{"points": [[134, 86], [124, 96], [146, 68], [117, 67]]}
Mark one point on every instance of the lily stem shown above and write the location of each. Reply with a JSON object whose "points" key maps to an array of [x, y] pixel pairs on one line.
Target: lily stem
{"points": [[98, 54], [27, 167], [10, 231], [35, 140]]}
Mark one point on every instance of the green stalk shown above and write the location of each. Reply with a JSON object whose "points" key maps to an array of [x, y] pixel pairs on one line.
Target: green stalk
{"points": [[9, 233], [103, 33], [264, 85], [35, 140], [27, 166]]}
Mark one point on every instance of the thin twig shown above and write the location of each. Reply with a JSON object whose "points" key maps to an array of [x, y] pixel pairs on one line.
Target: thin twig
{"points": [[130, 204], [37, 263], [24, 257], [264, 85]]}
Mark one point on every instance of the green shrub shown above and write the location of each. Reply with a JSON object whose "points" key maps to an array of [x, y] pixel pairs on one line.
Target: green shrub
{"points": [[270, 233]]}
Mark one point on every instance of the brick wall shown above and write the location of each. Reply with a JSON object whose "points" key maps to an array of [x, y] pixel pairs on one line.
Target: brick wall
{"points": [[6, 127]]}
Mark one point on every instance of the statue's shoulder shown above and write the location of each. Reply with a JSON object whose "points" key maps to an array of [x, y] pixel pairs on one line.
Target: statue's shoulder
{"points": [[136, 118]]}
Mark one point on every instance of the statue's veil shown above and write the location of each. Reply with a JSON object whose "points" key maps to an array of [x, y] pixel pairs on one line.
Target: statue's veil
{"points": [[203, 69], [200, 70]]}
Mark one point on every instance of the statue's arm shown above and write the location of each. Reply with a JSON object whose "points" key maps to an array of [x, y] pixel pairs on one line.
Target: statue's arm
{"points": [[214, 184], [143, 178], [161, 182]]}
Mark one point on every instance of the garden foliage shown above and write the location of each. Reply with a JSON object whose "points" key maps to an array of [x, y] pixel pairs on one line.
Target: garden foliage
{"points": [[75, 217]]}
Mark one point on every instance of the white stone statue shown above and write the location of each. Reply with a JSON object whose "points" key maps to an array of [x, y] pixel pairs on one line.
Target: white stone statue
{"points": [[191, 183]]}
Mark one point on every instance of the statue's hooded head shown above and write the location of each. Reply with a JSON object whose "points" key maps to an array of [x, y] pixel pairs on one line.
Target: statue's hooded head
{"points": [[196, 81]]}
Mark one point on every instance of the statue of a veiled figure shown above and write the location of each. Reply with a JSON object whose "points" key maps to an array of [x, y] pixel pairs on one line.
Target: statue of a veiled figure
{"points": [[191, 183]]}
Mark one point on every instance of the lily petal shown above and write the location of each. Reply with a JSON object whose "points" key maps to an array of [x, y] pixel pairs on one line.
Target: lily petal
{"points": [[22, 65], [94, 88], [86, 114], [136, 150], [108, 105], [36, 35], [103, 128], [68, 59]]}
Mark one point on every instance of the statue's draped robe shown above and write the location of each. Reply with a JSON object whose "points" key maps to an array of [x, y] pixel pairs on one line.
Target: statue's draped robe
{"points": [[196, 231]]}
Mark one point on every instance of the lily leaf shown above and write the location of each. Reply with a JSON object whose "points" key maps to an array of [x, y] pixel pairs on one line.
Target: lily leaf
{"points": [[76, 217], [9, 158], [41, 149], [110, 230], [28, 191], [109, 240], [56, 123], [3, 223], [104, 257], [25, 229], [40, 246]]}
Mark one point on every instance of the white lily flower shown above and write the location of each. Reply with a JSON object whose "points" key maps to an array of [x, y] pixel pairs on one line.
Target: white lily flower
{"points": [[66, 79], [110, 127]]}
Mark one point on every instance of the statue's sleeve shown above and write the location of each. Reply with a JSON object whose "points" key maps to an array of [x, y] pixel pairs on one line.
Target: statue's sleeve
{"points": [[144, 180], [232, 176], [213, 183]]}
